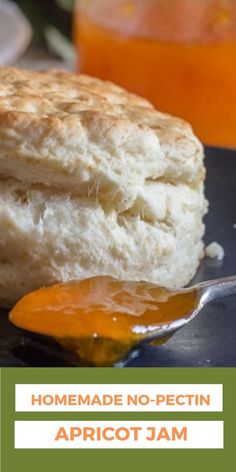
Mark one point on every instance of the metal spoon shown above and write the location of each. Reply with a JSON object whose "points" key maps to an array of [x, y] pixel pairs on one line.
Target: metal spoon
{"points": [[206, 292]]}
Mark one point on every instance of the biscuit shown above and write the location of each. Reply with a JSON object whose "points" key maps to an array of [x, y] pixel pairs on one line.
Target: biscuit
{"points": [[94, 181]]}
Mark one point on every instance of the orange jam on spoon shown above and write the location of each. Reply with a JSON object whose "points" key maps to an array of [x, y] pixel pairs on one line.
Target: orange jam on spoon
{"points": [[101, 318]]}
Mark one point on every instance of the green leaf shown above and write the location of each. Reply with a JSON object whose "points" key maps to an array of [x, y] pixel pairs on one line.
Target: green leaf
{"points": [[67, 5], [59, 44]]}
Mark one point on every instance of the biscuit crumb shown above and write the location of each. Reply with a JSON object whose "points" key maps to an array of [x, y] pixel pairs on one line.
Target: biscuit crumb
{"points": [[215, 250]]}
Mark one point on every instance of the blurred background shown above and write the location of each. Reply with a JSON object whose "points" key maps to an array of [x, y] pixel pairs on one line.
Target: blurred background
{"points": [[180, 54], [45, 25]]}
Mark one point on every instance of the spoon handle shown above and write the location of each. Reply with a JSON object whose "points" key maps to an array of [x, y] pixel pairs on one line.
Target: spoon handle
{"points": [[216, 289]]}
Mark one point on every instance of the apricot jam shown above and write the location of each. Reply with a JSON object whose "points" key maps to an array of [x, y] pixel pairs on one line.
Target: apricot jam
{"points": [[100, 318], [180, 54]]}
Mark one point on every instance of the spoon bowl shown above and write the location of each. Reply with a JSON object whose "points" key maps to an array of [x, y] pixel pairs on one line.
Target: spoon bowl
{"points": [[103, 319]]}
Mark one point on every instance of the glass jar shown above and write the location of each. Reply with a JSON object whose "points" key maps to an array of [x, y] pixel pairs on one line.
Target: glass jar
{"points": [[180, 54]]}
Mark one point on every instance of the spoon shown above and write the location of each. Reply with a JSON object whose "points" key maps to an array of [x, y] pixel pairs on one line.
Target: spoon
{"points": [[205, 292], [101, 319]]}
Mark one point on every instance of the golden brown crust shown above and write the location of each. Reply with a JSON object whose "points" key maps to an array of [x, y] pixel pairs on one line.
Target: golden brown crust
{"points": [[77, 132]]}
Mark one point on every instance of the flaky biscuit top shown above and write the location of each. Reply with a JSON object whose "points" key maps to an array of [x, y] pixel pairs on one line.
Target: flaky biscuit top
{"points": [[87, 136]]}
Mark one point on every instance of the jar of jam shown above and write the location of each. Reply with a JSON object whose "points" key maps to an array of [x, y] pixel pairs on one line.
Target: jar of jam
{"points": [[180, 54]]}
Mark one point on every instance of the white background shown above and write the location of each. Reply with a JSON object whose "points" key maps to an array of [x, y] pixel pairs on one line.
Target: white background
{"points": [[41, 435], [23, 393]]}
